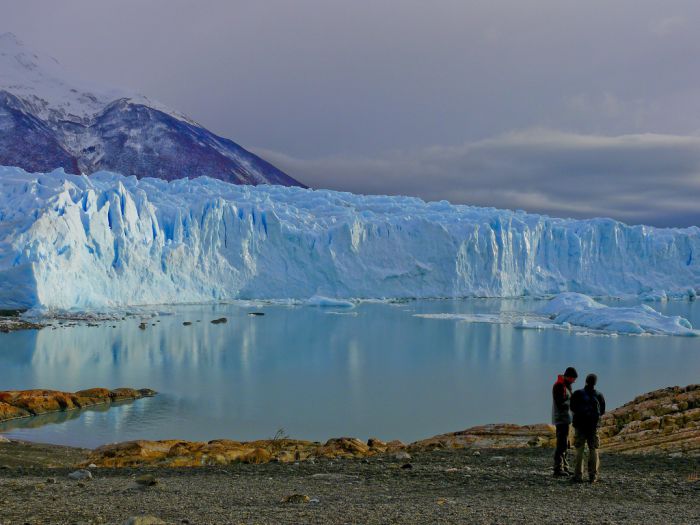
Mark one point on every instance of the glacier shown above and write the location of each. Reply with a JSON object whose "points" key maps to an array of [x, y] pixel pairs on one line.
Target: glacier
{"points": [[106, 241]]}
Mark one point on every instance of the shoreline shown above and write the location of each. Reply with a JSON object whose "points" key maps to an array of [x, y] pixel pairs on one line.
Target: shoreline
{"points": [[665, 421]]}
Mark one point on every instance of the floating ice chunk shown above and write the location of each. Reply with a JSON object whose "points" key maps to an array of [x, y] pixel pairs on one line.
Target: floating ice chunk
{"points": [[320, 300], [580, 310]]}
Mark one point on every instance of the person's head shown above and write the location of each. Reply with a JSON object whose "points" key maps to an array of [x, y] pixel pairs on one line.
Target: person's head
{"points": [[591, 380], [570, 375]]}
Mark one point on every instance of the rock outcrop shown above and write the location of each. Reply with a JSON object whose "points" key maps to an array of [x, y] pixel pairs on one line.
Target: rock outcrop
{"points": [[501, 435], [173, 453], [16, 404], [663, 421]]}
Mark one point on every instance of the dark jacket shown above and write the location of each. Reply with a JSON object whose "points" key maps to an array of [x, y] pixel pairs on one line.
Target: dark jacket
{"points": [[561, 402], [588, 406]]}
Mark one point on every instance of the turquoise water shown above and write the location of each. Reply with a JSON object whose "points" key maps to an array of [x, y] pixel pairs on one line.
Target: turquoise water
{"points": [[374, 370]]}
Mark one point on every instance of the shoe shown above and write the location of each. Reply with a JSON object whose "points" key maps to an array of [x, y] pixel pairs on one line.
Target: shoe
{"points": [[561, 474], [576, 479], [593, 479]]}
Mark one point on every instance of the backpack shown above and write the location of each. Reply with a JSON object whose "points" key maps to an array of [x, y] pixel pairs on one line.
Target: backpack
{"points": [[590, 407]]}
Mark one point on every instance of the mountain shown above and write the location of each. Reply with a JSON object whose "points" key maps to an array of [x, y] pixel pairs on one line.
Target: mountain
{"points": [[69, 241], [47, 121]]}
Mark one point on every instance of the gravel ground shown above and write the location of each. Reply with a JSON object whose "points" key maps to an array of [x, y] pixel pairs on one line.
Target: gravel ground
{"points": [[497, 486]]}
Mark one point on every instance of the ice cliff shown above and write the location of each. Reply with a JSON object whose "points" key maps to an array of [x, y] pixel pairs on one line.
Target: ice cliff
{"points": [[69, 241]]}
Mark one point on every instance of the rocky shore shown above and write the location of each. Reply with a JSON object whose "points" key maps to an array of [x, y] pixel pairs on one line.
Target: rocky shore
{"points": [[486, 474], [13, 323], [663, 421], [15, 404]]}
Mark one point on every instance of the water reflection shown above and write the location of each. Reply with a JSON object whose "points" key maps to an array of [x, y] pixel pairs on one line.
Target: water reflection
{"points": [[380, 372]]}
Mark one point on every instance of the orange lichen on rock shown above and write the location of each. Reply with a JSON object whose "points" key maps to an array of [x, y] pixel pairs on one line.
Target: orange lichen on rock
{"points": [[25, 403]]}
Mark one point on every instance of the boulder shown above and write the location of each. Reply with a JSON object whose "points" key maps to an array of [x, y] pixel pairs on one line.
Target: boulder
{"points": [[144, 520], [8, 412]]}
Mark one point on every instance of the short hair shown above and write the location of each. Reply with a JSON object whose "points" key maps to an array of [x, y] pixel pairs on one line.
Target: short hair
{"points": [[571, 372], [591, 379]]}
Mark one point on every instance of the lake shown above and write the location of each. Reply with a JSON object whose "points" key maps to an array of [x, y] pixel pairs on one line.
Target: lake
{"points": [[321, 372]]}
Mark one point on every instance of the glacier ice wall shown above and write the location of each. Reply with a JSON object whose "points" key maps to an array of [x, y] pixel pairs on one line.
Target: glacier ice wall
{"points": [[69, 241]]}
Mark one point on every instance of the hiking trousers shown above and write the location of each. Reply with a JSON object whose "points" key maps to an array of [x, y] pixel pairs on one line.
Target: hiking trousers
{"points": [[560, 461], [582, 438]]}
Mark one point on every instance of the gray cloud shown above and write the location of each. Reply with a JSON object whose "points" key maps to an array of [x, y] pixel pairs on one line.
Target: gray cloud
{"points": [[343, 82], [644, 178]]}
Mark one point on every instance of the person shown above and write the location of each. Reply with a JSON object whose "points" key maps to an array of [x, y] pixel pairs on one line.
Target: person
{"points": [[587, 405], [561, 418]]}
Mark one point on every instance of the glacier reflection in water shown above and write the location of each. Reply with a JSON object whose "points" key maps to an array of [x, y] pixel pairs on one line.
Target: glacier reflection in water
{"points": [[381, 371]]}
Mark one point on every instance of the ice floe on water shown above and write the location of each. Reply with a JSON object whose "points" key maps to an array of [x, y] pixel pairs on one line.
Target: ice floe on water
{"points": [[583, 315], [580, 310], [320, 300]]}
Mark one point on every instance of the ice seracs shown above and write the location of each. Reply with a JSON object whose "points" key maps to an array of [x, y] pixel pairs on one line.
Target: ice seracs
{"points": [[106, 240]]}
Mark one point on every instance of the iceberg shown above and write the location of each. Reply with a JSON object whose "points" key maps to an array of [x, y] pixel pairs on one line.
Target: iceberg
{"points": [[582, 315], [580, 310], [109, 241]]}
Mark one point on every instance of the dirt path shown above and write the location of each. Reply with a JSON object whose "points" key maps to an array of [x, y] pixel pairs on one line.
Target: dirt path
{"points": [[497, 486]]}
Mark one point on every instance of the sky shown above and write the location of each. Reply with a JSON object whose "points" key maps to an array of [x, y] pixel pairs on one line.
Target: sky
{"points": [[563, 107]]}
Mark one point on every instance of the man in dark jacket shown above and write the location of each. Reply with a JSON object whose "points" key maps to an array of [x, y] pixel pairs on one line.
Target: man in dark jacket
{"points": [[561, 418], [588, 405]]}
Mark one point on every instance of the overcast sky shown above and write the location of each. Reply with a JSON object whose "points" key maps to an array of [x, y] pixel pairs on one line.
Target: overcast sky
{"points": [[564, 107]]}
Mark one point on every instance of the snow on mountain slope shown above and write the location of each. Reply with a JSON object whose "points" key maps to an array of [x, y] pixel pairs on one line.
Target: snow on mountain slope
{"points": [[48, 120], [106, 240]]}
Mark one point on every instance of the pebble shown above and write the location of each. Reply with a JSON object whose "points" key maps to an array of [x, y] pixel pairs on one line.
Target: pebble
{"points": [[147, 480], [80, 474], [296, 498], [144, 520]]}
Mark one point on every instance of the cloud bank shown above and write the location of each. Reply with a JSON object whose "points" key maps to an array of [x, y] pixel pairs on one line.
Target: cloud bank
{"points": [[643, 178]]}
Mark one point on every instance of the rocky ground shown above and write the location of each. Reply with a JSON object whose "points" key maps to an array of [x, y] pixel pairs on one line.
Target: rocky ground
{"points": [[441, 486]]}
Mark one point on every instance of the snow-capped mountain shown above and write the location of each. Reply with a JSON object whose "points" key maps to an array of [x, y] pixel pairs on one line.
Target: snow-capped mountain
{"points": [[48, 121], [69, 241]]}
